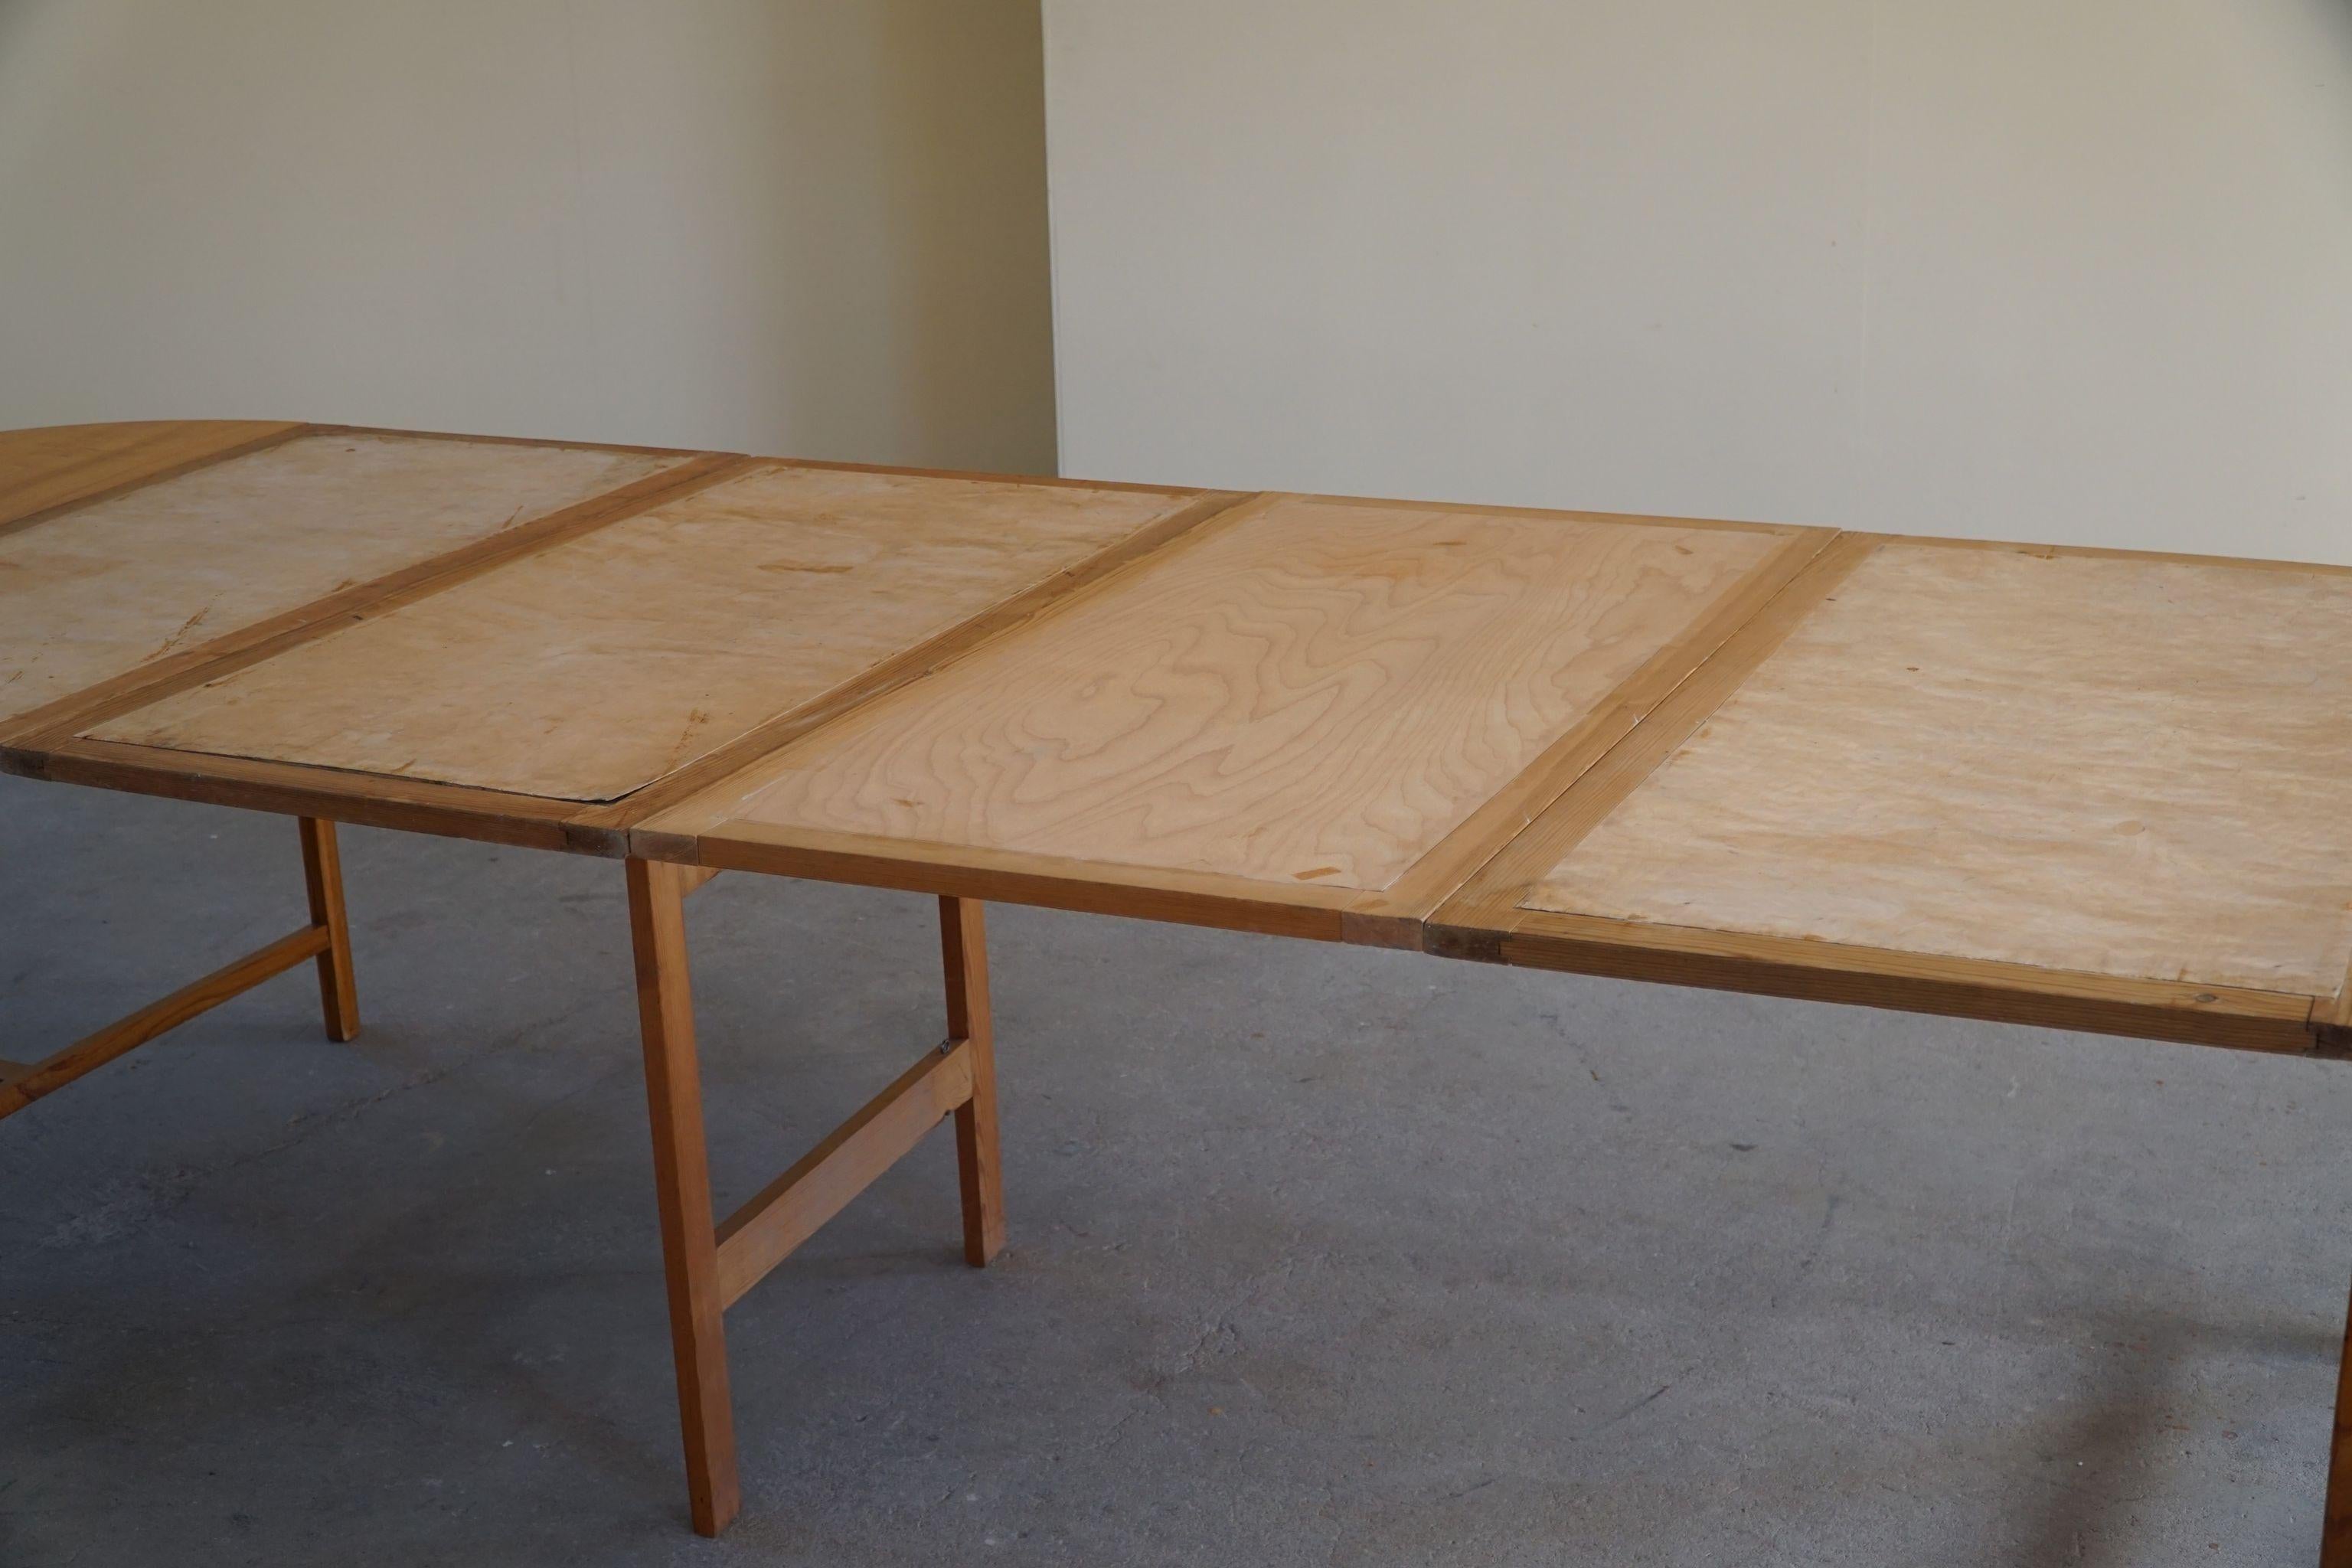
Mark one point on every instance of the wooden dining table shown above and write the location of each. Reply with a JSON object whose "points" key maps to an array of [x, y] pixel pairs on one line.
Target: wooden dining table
{"points": [[2097, 790]]}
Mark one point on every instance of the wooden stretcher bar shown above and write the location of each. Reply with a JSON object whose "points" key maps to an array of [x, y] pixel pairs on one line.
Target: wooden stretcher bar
{"points": [[327, 939]]}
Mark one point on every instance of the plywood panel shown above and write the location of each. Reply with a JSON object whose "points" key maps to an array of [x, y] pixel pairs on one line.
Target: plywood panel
{"points": [[124, 582], [1310, 693], [61, 464], [2124, 767], [589, 669]]}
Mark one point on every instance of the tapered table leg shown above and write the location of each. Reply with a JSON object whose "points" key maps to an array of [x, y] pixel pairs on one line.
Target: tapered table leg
{"points": [[963, 945], [322, 874], [682, 1188], [2336, 1535]]}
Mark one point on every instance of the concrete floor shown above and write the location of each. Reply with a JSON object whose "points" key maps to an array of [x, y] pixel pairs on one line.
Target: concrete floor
{"points": [[1318, 1256]]}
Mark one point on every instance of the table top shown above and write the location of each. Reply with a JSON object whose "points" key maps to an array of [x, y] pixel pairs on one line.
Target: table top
{"points": [[2091, 789]]}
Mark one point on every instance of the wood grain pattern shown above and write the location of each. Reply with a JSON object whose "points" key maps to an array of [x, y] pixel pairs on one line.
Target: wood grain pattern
{"points": [[213, 652], [2131, 768], [122, 584], [1661, 681], [585, 671], [1302, 693], [1189, 511], [1488, 899], [60, 465]]}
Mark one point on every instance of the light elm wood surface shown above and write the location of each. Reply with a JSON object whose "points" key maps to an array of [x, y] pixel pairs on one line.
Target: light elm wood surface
{"points": [[1310, 693], [586, 670], [90, 594], [2127, 767]]}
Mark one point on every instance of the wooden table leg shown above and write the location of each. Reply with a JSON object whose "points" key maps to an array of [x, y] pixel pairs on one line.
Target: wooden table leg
{"points": [[963, 947], [322, 871], [682, 1187], [2336, 1535]]}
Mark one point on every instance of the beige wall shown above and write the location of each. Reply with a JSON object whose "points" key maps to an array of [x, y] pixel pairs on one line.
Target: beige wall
{"points": [[2073, 270], [804, 226]]}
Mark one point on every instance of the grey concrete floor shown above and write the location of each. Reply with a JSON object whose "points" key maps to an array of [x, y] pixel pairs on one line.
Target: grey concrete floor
{"points": [[1318, 1256]]}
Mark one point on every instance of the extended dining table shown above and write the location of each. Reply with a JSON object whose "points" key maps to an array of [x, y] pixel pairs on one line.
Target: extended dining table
{"points": [[2087, 789]]}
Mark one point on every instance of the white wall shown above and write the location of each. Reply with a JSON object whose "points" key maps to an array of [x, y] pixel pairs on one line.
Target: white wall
{"points": [[804, 226], [2069, 270]]}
